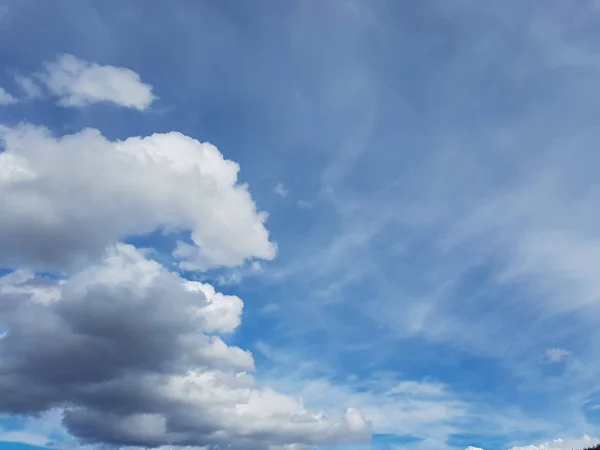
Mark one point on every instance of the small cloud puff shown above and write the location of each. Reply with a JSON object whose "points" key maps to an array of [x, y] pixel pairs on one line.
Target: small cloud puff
{"points": [[555, 355], [77, 83], [281, 190]]}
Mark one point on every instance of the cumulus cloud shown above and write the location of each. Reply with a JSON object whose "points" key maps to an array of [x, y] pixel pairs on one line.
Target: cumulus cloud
{"points": [[64, 199], [563, 444], [470, 447], [128, 350], [6, 98], [77, 83]]}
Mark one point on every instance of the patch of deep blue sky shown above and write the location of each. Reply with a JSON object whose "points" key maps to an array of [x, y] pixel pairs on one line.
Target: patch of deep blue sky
{"points": [[344, 105]]}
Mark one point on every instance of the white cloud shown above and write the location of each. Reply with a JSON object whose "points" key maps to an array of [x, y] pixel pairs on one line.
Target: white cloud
{"points": [[38, 431], [79, 83], [29, 87], [6, 98], [143, 353], [557, 444], [407, 407], [563, 444], [69, 199], [557, 354], [416, 388], [281, 190], [23, 437], [65, 199], [222, 313], [21, 282], [235, 275], [390, 413], [524, 194]]}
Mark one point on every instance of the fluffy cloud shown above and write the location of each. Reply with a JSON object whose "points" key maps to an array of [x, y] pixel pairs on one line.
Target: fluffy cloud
{"points": [[6, 98], [79, 83], [66, 198], [563, 444], [128, 350]]}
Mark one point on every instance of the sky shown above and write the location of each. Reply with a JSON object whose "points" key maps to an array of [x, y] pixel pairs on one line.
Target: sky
{"points": [[341, 224]]}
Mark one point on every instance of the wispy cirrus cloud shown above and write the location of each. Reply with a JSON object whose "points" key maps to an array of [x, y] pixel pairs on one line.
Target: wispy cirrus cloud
{"points": [[446, 151], [482, 237]]}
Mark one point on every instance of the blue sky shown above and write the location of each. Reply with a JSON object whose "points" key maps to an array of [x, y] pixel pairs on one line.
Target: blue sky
{"points": [[429, 171]]}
